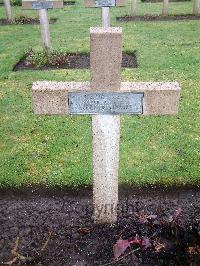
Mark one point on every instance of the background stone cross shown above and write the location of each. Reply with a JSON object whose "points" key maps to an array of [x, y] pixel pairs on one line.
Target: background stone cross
{"points": [[42, 6], [106, 97], [105, 8]]}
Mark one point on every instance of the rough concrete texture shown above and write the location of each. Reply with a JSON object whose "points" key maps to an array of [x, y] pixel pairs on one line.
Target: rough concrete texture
{"points": [[106, 135], [28, 4], [91, 3], [160, 98], [51, 97], [105, 58]]}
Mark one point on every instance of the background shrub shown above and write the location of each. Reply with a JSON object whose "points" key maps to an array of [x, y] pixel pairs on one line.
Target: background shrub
{"points": [[16, 2]]}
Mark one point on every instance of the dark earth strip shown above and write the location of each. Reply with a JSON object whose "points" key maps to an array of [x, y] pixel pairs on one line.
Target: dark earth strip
{"points": [[55, 227], [73, 61], [23, 21], [158, 18]]}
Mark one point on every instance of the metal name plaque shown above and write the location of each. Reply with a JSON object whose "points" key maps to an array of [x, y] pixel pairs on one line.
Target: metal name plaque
{"points": [[105, 103], [104, 3], [42, 5]]}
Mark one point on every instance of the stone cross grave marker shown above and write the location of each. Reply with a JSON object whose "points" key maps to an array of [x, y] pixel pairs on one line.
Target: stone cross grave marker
{"points": [[105, 97], [42, 6], [105, 8]]}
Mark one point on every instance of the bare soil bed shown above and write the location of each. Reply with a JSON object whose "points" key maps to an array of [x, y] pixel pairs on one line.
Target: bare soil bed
{"points": [[72, 61], [31, 21], [54, 227], [158, 18]]}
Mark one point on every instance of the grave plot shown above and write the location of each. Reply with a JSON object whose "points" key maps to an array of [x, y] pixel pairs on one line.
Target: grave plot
{"points": [[56, 60]]}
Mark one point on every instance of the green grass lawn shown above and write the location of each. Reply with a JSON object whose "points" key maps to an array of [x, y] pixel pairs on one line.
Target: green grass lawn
{"points": [[55, 150]]}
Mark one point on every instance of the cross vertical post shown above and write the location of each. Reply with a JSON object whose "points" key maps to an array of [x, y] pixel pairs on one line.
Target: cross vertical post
{"points": [[196, 7], [8, 10], [105, 64], [165, 7], [44, 26], [105, 17], [133, 8], [105, 8]]}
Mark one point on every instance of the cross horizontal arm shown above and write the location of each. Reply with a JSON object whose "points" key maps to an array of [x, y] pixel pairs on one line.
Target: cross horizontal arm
{"points": [[28, 4], [160, 98], [99, 3]]}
